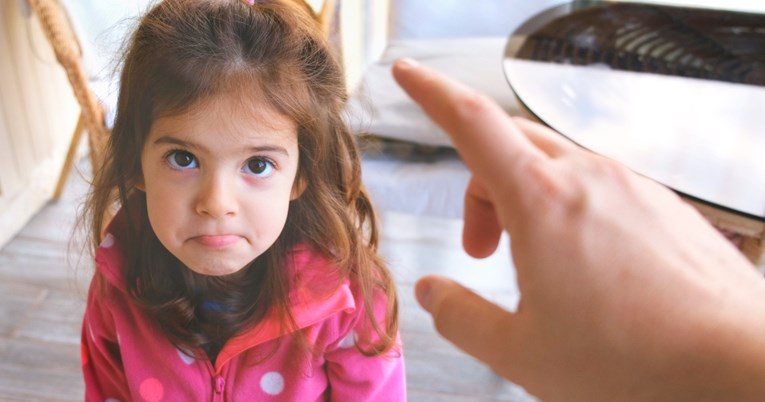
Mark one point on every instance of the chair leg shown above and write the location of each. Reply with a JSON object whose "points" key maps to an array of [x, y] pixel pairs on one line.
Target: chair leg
{"points": [[70, 155]]}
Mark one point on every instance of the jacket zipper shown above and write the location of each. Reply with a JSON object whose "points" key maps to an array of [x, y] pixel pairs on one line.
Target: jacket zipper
{"points": [[218, 383]]}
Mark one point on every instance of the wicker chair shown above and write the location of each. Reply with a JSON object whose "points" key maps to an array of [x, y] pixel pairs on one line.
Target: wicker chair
{"points": [[66, 46], [57, 28]]}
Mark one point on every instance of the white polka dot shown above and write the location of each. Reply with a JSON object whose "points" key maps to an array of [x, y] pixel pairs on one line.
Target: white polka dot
{"points": [[112, 400], [272, 383], [348, 341], [186, 358], [108, 241]]}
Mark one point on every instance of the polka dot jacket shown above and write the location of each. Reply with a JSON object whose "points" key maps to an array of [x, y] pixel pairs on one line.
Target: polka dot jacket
{"points": [[126, 358]]}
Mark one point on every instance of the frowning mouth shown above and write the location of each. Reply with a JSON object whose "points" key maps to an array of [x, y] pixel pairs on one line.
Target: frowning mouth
{"points": [[216, 241]]}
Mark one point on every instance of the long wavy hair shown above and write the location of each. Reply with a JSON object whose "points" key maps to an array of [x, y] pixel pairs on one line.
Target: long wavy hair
{"points": [[185, 51]]}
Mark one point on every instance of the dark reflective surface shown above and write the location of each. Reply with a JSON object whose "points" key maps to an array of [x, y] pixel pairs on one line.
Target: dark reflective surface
{"points": [[675, 94], [688, 42]]}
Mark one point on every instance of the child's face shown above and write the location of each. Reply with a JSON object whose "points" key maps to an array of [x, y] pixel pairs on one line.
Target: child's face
{"points": [[218, 180]]}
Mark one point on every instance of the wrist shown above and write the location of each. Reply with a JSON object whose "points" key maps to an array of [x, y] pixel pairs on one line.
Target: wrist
{"points": [[732, 349]]}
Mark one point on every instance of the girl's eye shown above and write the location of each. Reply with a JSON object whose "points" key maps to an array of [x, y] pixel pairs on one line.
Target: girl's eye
{"points": [[182, 160], [258, 167]]}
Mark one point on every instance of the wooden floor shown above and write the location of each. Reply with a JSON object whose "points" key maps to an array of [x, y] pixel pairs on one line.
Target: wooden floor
{"points": [[44, 275]]}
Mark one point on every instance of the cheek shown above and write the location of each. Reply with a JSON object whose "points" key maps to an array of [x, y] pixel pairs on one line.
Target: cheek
{"points": [[165, 209], [269, 213], [277, 211]]}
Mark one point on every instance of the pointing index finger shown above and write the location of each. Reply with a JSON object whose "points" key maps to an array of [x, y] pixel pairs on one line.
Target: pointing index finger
{"points": [[490, 143]]}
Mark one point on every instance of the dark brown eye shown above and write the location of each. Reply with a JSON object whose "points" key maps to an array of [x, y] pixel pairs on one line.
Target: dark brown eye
{"points": [[182, 160], [259, 167]]}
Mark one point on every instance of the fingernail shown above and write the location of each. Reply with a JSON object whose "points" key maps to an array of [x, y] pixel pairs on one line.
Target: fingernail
{"points": [[406, 62]]}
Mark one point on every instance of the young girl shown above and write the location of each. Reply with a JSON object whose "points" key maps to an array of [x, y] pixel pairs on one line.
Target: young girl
{"points": [[241, 263]]}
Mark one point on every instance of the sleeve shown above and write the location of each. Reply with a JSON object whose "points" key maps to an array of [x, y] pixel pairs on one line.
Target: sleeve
{"points": [[101, 357], [354, 376]]}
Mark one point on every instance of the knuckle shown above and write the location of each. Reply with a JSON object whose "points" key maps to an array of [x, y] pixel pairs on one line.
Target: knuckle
{"points": [[551, 183], [614, 169], [470, 105]]}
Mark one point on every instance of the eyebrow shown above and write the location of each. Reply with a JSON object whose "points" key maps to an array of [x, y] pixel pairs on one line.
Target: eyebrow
{"points": [[186, 144]]}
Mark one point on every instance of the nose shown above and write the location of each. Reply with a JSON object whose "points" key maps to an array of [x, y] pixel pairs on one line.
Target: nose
{"points": [[217, 196]]}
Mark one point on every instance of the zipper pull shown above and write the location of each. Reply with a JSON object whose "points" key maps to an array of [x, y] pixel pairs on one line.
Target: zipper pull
{"points": [[220, 383]]}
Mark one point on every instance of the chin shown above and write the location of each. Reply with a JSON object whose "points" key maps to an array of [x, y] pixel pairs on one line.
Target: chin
{"points": [[216, 269]]}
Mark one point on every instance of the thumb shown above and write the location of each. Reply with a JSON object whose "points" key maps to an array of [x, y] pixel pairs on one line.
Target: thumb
{"points": [[472, 323]]}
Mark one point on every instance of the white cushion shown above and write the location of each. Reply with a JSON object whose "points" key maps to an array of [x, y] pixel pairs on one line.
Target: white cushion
{"points": [[380, 107]]}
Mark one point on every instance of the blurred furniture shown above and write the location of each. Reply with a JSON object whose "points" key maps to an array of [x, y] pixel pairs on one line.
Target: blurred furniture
{"points": [[326, 11], [66, 46], [37, 114], [674, 93]]}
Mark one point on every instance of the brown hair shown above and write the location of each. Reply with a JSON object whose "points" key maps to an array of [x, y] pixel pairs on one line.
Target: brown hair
{"points": [[186, 51]]}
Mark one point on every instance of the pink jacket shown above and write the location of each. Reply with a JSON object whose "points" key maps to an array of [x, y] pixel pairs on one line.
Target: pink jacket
{"points": [[126, 358]]}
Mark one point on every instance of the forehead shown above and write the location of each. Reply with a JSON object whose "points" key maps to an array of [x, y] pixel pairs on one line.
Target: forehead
{"points": [[233, 115]]}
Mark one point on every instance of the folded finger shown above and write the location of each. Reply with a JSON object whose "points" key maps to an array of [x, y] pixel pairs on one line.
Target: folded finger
{"points": [[482, 230]]}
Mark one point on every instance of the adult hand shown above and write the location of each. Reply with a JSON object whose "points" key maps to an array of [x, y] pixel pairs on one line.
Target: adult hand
{"points": [[626, 292]]}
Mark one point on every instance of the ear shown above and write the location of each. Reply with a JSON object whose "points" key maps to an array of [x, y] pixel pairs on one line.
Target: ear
{"points": [[298, 187]]}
